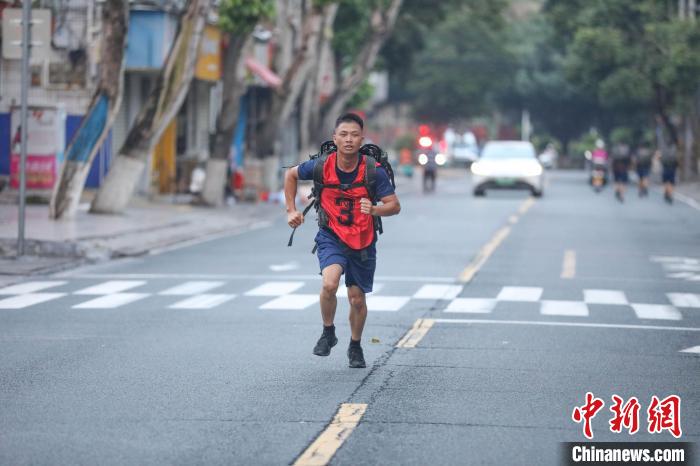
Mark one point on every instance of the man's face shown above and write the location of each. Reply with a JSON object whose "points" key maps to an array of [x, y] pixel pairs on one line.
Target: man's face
{"points": [[348, 138]]}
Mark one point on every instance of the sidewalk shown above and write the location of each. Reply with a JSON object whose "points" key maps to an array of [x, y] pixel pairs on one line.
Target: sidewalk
{"points": [[51, 245]]}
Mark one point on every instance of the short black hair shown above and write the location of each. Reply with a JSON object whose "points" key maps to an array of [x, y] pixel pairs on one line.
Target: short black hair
{"points": [[350, 118]]}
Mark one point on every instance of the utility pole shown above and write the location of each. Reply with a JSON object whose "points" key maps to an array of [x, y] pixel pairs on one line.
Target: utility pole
{"points": [[26, 37]]}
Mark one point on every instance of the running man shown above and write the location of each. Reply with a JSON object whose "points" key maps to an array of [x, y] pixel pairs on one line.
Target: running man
{"points": [[346, 237]]}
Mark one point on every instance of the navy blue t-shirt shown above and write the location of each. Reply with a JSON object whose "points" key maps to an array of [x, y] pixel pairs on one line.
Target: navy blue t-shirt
{"points": [[384, 188], [383, 185]]}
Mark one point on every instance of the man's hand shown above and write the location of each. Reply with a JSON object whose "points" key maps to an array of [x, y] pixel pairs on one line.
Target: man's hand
{"points": [[366, 206], [295, 218]]}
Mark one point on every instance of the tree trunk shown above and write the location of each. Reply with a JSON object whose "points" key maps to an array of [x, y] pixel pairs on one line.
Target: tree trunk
{"points": [[295, 77], [311, 99], [233, 89], [101, 113], [162, 105], [382, 23]]}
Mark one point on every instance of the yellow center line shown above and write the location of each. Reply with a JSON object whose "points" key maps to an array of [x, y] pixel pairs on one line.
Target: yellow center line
{"points": [[485, 252], [483, 255], [416, 333], [568, 269], [321, 451], [526, 205]]}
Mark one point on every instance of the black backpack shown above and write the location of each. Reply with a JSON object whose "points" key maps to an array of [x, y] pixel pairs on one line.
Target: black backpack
{"points": [[372, 153]]}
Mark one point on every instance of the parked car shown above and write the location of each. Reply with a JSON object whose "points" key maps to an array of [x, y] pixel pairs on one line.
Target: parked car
{"points": [[508, 165]]}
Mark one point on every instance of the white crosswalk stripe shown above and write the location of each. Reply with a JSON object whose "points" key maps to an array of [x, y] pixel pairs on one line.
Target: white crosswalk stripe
{"points": [[110, 287], [287, 295], [291, 301], [604, 297], [684, 299], [202, 301], [111, 301], [191, 288], [475, 305], [656, 311], [438, 291], [30, 287], [564, 308], [29, 299], [386, 303], [520, 293], [275, 289]]}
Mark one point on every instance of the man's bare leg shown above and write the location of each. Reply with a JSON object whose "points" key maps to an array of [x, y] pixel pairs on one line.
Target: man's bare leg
{"points": [[358, 311], [329, 302]]}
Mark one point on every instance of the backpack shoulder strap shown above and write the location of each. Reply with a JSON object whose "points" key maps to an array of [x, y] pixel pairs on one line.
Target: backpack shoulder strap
{"points": [[371, 177], [318, 176]]}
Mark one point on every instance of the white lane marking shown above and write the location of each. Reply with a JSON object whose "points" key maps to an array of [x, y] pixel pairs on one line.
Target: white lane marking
{"points": [[28, 299], [433, 291], [386, 303], [110, 287], [476, 305], [692, 349], [564, 308], [275, 289], [684, 299], [30, 287], [567, 324], [343, 290], [604, 297], [200, 276], [520, 293], [287, 267], [657, 311], [291, 301], [191, 288], [688, 200], [111, 301], [202, 301]]}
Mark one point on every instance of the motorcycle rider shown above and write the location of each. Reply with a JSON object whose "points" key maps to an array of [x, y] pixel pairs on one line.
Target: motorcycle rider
{"points": [[599, 160]]}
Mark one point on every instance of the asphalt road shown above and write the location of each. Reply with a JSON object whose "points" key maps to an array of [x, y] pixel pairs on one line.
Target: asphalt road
{"points": [[202, 354]]}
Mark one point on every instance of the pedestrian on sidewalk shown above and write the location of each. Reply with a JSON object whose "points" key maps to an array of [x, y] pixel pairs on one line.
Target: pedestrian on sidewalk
{"points": [[346, 237]]}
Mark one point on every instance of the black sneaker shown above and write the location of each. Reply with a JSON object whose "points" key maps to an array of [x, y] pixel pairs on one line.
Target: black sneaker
{"points": [[324, 345], [668, 198], [356, 357]]}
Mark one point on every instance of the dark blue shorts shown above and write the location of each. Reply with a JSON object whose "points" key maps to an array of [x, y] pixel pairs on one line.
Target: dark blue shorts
{"points": [[669, 175], [643, 170], [357, 267], [621, 176]]}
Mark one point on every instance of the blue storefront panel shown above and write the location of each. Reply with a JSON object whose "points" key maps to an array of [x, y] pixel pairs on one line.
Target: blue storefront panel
{"points": [[100, 164]]}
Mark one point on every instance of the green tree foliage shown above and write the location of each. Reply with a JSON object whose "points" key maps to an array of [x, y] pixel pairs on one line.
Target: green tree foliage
{"points": [[465, 64], [241, 16], [629, 54]]}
